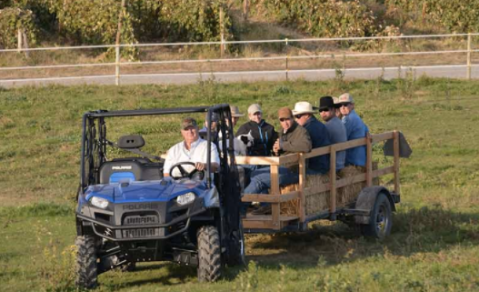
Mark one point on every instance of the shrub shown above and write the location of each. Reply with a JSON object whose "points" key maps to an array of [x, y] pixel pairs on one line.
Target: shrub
{"points": [[13, 19]]}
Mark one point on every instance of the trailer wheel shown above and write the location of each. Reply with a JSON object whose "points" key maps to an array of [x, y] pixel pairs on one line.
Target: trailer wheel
{"points": [[380, 221], [209, 254], [87, 268]]}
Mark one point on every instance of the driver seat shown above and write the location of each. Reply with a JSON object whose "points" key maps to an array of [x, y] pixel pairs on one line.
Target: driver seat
{"points": [[130, 168]]}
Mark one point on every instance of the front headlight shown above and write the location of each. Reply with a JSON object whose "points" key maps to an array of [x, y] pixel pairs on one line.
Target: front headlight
{"points": [[99, 202], [186, 198]]}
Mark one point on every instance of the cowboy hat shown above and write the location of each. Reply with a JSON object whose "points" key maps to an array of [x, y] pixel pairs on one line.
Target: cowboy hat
{"points": [[303, 107]]}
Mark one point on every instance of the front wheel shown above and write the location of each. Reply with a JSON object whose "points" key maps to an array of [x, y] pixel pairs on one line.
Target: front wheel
{"points": [[87, 267], [209, 254], [380, 221]]}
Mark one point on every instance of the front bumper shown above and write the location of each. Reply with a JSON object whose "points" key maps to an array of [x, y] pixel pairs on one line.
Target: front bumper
{"points": [[168, 220]]}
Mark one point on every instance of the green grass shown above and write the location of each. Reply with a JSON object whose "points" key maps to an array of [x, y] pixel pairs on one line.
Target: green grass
{"points": [[433, 247]]}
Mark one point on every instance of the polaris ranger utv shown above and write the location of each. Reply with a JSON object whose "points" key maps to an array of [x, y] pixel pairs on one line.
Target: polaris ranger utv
{"points": [[128, 212]]}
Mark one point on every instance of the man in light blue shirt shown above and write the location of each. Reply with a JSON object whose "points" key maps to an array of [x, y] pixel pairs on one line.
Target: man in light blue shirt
{"points": [[355, 129]]}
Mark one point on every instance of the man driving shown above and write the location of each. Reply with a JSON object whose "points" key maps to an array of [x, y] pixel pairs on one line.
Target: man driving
{"points": [[192, 149]]}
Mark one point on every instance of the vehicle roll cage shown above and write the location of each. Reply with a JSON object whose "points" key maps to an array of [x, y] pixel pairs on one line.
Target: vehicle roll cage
{"points": [[94, 147]]}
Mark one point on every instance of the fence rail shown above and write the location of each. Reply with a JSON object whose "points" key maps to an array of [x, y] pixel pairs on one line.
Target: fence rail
{"points": [[286, 58]]}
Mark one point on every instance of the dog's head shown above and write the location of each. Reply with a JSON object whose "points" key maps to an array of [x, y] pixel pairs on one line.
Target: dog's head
{"points": [[247, 139]]}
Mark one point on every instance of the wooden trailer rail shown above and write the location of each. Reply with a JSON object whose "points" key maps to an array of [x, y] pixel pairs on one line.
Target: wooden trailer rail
{"points": [[276, 221]]}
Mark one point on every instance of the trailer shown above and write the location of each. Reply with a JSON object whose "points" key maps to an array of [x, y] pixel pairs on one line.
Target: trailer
{"points": [[355, 199]]}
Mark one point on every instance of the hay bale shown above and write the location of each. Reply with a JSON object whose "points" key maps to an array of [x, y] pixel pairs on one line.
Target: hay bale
{"points": [[349, 193], [290, 207], [316, 201]]}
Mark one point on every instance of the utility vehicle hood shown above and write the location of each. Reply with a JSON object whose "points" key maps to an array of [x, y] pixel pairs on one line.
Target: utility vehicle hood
{"points": [[139, 191]]}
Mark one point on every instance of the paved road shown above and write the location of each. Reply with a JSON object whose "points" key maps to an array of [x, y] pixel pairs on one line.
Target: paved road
{"points": [[458, 72]]}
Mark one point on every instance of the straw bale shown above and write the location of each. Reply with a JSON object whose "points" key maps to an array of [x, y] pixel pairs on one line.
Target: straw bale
{"points": [[290, 207], [349, 193], [317, 202]]}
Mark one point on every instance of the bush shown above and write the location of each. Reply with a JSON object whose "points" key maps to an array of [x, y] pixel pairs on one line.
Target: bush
{"points": [[13, 19], [322, 18]]}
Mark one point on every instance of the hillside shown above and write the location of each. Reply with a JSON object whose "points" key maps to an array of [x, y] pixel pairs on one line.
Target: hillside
{"points": [[435, 237]]}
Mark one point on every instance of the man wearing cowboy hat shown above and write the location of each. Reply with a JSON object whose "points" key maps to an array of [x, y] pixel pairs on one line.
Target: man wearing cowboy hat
{"points": [[336, 129], [303, 114]]}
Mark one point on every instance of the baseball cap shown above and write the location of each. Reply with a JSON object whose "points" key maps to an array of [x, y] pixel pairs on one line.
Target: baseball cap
{"points": [[235, 111], [345, 98], [254, 108], [284, 112], [188, 122]]}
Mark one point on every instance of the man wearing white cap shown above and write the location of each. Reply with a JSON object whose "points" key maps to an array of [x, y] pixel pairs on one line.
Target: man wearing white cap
{"points": [[355, 129], [263, 133], [303, 114]]}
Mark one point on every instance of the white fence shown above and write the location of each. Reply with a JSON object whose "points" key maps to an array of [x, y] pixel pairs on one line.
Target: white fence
{"points": [[286, 70]]}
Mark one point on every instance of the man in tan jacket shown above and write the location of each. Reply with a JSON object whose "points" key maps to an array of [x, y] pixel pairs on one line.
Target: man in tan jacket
{"points": [[293, 138]]}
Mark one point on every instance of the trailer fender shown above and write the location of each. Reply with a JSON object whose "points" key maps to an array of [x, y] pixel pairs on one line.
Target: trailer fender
{"points": [[367, 198]]}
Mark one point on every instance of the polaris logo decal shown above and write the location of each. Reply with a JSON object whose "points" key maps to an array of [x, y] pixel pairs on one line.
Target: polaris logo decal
{"points": [[140, 206], [121, 167]]}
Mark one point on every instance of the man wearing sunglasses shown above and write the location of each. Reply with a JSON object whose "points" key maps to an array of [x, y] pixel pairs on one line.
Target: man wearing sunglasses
{"points": [[355, 129], [292, 139], [304, 115], [334, 126]]}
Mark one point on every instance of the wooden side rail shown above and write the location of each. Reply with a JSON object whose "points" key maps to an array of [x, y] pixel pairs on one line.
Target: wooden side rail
{"points": [[270, 198]]}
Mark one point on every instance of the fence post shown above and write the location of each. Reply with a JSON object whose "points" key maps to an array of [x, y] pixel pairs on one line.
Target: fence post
{"points": [[287, 59], [118, 41], [222, 31], [117, 64], [19, 40], [469, 41]]}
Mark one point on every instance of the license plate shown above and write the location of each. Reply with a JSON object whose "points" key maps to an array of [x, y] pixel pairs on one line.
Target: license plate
{"points": [[141, 220]]}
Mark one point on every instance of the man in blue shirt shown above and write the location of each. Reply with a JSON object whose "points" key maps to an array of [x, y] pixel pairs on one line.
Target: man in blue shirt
{"points": [[303, 114], [336, 129], [355, 129]]}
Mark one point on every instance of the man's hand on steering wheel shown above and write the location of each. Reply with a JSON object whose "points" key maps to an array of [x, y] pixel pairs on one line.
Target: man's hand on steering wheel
{"points": [[200, 166], [198, 170]]}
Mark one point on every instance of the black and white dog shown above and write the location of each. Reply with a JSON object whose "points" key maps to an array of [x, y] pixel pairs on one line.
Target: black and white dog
{"points": [[241, 144]]}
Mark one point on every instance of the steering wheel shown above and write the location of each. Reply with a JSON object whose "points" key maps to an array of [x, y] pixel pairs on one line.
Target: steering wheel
{"points": [[184, 173]]}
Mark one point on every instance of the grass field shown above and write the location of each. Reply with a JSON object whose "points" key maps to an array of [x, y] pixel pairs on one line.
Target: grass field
{"points": [[433, 246]]}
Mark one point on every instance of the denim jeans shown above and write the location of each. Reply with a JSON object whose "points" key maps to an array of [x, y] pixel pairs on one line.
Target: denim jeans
{"points": [[261, 182]]}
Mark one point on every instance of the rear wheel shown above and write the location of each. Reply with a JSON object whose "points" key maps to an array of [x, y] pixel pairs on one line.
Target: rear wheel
{"points": [[209, 254], [87, 268], [380, 221]]}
